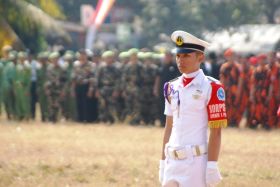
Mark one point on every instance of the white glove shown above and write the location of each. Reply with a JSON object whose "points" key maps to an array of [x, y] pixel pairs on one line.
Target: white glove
{"points": [[161, 171], [213, 176]]}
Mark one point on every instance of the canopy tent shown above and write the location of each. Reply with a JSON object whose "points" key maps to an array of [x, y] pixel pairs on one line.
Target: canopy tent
{"points": [[245, 39]]}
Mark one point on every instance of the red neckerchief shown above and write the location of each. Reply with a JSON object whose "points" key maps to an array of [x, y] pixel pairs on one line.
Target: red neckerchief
{"points": [[186, 81]]}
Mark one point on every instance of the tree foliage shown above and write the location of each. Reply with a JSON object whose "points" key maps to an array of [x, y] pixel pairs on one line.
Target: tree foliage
{"points": [[28, 21]]}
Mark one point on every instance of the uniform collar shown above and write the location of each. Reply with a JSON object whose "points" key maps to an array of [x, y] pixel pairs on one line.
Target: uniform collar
{"points": [[199, 76]]}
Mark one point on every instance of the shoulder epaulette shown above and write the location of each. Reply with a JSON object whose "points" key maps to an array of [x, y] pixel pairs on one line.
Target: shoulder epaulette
{"points": [[174, 79], [213, 80]]}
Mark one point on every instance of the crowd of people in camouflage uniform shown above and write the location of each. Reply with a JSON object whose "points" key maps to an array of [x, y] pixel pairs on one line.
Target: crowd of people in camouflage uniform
{"points": [[86, 87], [127, 86]]}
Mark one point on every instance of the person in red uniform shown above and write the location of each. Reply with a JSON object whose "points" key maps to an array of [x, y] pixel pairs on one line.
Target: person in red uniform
{"points": [[229, 76], [259, 94], [274, 93]]}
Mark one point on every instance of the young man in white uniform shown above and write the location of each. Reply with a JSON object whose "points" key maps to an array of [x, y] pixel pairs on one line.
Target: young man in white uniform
{"points": [[194, 103]]}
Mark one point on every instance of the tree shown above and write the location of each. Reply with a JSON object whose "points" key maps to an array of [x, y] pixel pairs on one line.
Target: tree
{"points": [[29, 23]]}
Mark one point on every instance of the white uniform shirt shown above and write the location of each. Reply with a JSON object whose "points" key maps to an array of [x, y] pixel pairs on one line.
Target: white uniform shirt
{"points": [[188, 106]]}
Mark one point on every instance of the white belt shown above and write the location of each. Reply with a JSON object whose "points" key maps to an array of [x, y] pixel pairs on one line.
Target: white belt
{"points": [[185, 152]]}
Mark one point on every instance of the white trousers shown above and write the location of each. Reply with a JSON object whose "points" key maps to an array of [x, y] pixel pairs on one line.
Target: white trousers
{"points": [[188, 172]]}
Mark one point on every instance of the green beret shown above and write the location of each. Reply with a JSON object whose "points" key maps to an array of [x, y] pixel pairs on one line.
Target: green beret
{"points": [[54, 55], [141, 55], [44, 54], [107, 54], [13, 55], [133, 51], [148, 55], [68, 55], [22, 54], [123, 55], [157, 56]]}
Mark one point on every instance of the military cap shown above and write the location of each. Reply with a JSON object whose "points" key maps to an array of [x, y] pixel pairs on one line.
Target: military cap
{"points": [[13, 55], [107, 54], [157, 56], [22, 54], [141, 55], [54, 55], [187, 43], [133, 51], [68, 55], [123, 55]]}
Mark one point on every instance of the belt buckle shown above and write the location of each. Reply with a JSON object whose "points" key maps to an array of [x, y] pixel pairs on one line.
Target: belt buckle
{"points": [[175, 154], [197, 150]]}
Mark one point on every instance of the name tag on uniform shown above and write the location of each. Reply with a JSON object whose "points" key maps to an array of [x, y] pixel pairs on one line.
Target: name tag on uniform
{"points": [[197, 94]]}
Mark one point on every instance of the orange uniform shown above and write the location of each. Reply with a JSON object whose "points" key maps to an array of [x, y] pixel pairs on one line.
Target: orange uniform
{"points": [[274, 94], [229, 76], [259, 97]]}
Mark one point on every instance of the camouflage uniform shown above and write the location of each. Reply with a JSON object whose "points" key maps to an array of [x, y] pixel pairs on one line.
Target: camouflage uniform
{"points": [[85, 86], [41, 81], [131, 86], [55, 89], [147, 98], [108, 87], [69, 103]]}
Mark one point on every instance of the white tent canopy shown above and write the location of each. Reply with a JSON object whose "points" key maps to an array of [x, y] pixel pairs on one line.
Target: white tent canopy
{"points": [[245, 39]]}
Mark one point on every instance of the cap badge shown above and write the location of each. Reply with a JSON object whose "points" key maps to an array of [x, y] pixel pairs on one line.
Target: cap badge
{"points": [[179, 40]]}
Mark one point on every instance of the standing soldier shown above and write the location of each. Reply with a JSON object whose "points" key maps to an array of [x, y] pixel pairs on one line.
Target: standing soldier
{"points": [[259, 95], [108, 85], [131, 87], [9, 73], [274, 89], [148, 97], [1, 86], [229, 76], [22, 87], [69, 102], [3, 61], [55, 87], [85, 87], [167, 71], [244, 85], [41, 81]]}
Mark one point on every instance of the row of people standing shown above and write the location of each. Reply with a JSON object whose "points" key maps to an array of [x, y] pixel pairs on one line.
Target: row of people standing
{"points": [[252, 88], [92, 89]]}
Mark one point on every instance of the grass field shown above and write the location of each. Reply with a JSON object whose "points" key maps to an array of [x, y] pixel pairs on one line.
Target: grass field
{"points": [[70, 154]]}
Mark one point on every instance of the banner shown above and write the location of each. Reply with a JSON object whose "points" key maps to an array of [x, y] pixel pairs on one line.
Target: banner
{"points": [[102, 9]]}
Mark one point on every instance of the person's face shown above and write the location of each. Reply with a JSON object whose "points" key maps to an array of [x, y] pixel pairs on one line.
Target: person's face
{"points": [[168, 58], [133, 58], [83, 57], [109, 59], [189, 62]]}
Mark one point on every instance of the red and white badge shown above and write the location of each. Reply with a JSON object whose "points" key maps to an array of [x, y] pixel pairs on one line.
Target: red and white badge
{"points": [[216, 108]]}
